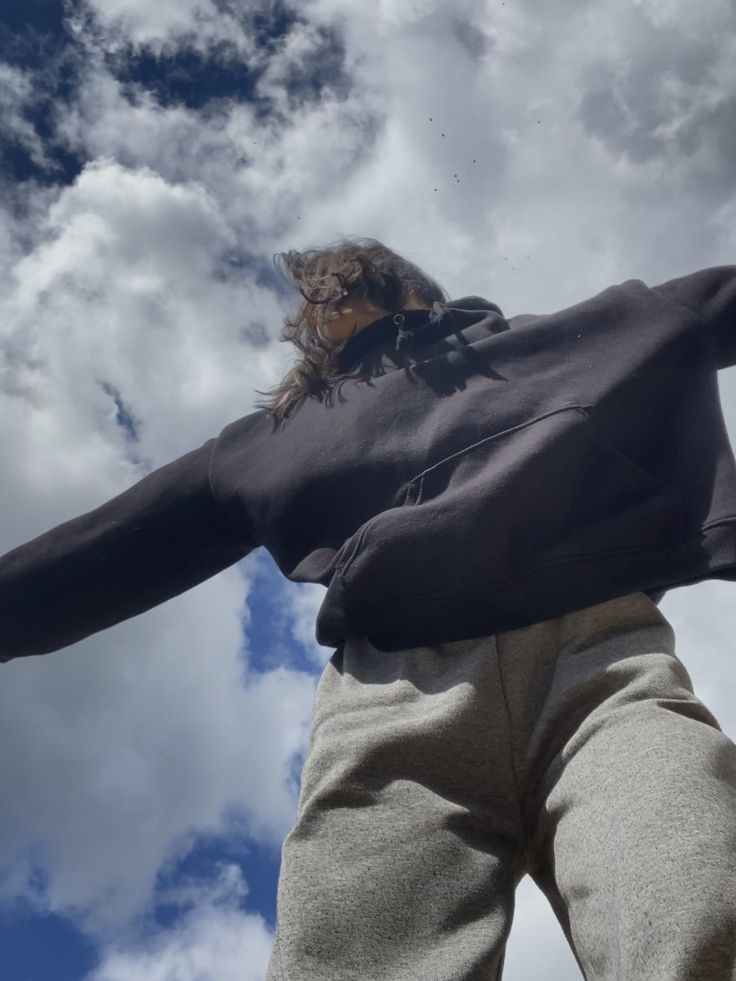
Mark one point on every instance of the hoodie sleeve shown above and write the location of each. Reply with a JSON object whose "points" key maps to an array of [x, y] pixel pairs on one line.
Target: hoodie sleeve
{"points": [[156, 540], [711, 295]]}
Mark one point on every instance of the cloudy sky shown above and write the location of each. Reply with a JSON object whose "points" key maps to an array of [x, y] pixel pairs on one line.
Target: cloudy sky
{"points": [[153, 157]]}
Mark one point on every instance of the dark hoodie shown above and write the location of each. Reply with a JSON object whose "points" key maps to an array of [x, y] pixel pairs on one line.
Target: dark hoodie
{"points": [[486, 475]]}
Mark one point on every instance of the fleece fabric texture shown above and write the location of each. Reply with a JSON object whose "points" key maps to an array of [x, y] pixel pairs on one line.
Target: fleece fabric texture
{"points": [[471, 475], [573, 750]]}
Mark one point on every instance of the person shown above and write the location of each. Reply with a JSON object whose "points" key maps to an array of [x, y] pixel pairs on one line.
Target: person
{"points": [[496, 506]]}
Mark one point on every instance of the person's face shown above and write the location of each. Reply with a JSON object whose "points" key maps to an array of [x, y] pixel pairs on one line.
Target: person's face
{"points": [[345, 321]]}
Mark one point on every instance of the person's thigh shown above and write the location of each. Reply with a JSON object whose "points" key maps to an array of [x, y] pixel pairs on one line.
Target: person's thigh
{"points": [[636, 830], [405, 855]]}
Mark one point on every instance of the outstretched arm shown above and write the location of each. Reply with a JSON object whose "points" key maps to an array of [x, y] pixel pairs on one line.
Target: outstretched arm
{"points": [[156, 540], [711, 295]]}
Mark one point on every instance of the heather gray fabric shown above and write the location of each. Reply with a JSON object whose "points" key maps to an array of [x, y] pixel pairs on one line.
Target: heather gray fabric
{"points": [[573, 750]]}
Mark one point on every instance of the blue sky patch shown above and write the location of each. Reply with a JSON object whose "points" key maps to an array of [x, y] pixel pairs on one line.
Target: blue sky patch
{"points": [[41, 948]]}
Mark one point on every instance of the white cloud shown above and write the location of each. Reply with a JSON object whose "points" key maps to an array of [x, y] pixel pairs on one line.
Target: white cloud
{"points": [[144, 737], [216, 941], [364, 158], [504, 83], [16, 95], [303, 602], [693, 22], [161, 26], [129, 275], [118, 753]]}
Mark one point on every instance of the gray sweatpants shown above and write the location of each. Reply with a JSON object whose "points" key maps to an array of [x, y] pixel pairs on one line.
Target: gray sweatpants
{"points": [[573, 750]]}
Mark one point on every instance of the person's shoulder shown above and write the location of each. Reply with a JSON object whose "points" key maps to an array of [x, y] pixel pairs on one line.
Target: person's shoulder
{"points": [[252, 422]]}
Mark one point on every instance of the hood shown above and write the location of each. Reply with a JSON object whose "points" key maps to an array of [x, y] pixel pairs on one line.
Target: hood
{"points": [[423, 326]]}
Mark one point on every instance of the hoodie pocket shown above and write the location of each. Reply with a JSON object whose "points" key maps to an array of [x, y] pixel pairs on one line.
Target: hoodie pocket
{"points": [[553, 488]]}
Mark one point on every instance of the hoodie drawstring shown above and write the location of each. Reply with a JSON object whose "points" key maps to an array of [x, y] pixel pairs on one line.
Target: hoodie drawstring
{"points": [[405, 335]]}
